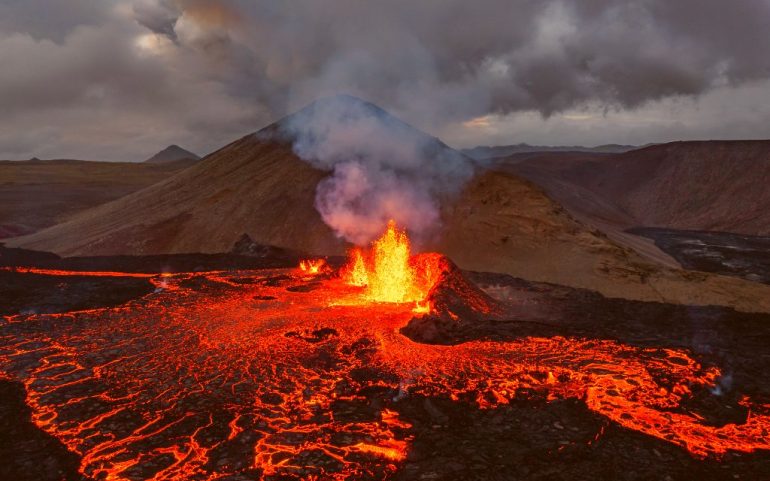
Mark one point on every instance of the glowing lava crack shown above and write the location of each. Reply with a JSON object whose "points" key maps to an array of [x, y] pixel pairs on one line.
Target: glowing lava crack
{"points": [[250, 372]]}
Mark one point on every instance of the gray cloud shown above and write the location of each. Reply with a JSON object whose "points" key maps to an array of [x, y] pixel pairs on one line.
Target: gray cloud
{"points": [[50, 19], [120, 79], [157, 16]]}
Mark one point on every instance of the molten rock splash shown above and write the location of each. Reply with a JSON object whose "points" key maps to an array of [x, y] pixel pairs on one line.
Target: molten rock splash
{"points": [[389, 273], [313, 266]]}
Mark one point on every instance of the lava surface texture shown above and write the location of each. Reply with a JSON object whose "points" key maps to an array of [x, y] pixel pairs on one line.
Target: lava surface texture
{"points": [[277, 374]]}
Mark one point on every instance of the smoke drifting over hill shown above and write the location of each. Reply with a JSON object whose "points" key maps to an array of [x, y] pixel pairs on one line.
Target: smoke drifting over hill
{"points": [[220, 68], [381, 167]]}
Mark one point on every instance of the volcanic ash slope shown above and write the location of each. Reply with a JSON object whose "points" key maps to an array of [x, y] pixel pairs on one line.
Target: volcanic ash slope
{"points": [[36, 194], [250, 186]]}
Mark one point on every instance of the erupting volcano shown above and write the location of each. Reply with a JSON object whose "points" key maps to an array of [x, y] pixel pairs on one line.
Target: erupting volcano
{"points": [[305, 373], [339, 290], [387, 272]]}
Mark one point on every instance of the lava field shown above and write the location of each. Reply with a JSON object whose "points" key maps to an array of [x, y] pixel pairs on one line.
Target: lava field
{"points": [[285, 374]]}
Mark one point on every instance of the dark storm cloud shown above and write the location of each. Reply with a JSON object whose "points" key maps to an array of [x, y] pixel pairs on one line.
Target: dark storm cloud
{"points": [[120, 78], [452, 59]]}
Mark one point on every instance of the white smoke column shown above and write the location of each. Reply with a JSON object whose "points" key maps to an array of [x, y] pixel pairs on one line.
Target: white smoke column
{"points": [[381, 168]]}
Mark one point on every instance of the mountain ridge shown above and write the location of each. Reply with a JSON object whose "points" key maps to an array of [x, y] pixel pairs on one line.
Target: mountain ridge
{"points": [[172, 153], [498, 222], [482, 152]]}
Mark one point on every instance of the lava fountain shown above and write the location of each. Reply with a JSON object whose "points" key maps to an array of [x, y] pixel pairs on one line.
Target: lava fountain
{"points": [[312, 266], [389, 273]]}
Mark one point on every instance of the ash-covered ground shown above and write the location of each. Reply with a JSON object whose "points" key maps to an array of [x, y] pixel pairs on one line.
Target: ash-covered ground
{"points": [[264, 373]]}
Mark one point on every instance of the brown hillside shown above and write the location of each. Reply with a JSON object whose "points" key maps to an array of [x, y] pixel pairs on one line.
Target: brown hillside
{"points": [[502, 223], [709, 185], [498, 223], [40, 193], [250, 186]]}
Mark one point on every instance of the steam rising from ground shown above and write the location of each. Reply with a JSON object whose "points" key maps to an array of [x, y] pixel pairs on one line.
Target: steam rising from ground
{"points": [[381, 168]]}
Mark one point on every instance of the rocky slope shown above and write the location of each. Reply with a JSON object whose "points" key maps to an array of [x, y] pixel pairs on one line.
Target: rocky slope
{"points": [[503, 223], [250, 186]]}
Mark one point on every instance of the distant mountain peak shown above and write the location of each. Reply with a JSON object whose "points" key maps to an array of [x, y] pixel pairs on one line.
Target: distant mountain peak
{"points": [[172, 153], [347, 126]]}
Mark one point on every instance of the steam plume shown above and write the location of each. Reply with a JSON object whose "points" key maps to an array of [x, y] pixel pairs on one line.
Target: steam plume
{"points": [[381, 168]]}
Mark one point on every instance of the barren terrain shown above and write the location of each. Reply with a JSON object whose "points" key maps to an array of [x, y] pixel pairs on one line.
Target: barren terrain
{"points": [[36, 194], [707, 185], [499, 222]]}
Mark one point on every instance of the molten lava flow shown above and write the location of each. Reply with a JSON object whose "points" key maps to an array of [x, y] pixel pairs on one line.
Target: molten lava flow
{"points": [[421, 307], [217, 378], [312, 266], [387, 272], [59, 272]]}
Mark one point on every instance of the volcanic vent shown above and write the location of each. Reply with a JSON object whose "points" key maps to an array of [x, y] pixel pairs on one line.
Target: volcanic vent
{"points": [[389, 273]]}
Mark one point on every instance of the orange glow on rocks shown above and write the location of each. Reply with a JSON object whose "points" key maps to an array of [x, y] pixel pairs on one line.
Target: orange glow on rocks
{"points": [[421, 307]]}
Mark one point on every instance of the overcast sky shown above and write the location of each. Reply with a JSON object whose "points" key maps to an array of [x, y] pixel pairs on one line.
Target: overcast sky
{"points": [[119, 80]]}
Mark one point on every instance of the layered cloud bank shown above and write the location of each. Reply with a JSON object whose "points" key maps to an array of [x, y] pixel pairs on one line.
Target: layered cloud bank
{"points": [[105, 79]]}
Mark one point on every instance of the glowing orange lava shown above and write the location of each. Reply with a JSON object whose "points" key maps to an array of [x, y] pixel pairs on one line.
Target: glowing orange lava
{"points": [[312, 266], [387, 271], [421, 307], [355, 272], [59, 272], [258, 375]]}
